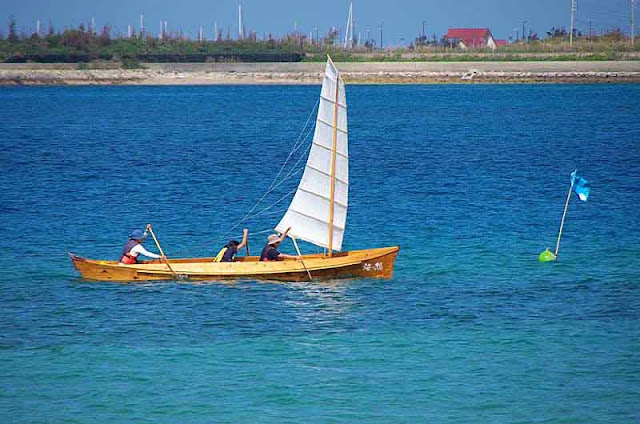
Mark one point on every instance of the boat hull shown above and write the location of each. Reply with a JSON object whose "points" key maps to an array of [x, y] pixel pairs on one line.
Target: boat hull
{"points": [[369, 263]]}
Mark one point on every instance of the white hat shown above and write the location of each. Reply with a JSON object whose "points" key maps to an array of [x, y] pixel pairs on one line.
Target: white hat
{"points": [[274, 238]]}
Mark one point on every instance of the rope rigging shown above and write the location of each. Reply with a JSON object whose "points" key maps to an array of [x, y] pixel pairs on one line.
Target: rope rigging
{"points": [[277, 181], [274, 184]]}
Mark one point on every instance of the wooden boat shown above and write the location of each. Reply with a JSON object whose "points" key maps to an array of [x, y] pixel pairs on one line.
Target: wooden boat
{"points": [[317, 214], [376, 263]]}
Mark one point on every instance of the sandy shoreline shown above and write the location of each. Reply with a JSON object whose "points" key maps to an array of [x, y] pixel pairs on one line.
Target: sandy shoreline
{"points": [[311, 73]]}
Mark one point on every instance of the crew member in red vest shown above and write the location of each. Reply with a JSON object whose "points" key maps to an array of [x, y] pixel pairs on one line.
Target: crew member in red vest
{"points": [[133, 248], [270, 251]]}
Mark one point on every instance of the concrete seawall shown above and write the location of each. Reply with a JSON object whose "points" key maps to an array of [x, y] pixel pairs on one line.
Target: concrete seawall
{"points": [[311, 73]]}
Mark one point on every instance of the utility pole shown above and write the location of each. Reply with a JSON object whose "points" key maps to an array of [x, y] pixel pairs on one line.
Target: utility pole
{"points": [[574, 9], [354, 29], [633, 21], [423, 40], [523, 32], [240, 25]]}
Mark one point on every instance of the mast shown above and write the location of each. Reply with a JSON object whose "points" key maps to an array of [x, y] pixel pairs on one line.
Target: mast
{"points": [[318, 211], [333, 164]]}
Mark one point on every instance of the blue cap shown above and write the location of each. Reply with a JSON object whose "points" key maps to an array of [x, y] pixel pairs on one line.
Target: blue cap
{"points": [[136, 235]]}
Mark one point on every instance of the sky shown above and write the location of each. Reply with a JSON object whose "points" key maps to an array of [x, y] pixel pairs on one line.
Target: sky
{"points": [[401, 20]]}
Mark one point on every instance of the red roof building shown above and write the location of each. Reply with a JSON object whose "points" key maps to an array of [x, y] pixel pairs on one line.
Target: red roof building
{"points": [[472, 38]]}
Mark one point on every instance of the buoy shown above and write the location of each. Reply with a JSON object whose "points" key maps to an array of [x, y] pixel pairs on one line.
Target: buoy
{"points": [[547, 256]]}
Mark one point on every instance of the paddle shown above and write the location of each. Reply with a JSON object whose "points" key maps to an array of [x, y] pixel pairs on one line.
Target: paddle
{"points": [[245, 238], [166, 261], [300, 254]]}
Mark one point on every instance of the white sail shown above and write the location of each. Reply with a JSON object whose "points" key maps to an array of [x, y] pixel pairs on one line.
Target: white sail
{"points": [[309, 213]]}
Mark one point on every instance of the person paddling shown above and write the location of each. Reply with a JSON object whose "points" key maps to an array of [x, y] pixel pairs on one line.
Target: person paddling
{"points": [[233, 246], [133, 249], [270, 251]]}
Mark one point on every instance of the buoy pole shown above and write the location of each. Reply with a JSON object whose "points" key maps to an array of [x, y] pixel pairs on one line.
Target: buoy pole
{"points": [[564, 214]]}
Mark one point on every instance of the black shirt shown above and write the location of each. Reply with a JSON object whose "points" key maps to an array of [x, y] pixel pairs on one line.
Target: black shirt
{"points": [[270, 253], [230, 254]]}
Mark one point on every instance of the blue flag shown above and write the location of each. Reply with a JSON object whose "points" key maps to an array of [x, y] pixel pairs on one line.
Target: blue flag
{"points": [[580, 186]]}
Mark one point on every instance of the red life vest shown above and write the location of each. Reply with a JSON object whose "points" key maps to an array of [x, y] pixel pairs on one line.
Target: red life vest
{"points": [[127, 258]]}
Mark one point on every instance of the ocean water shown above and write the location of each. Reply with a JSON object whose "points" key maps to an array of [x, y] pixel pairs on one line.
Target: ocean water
{"points": [[470, 181]]}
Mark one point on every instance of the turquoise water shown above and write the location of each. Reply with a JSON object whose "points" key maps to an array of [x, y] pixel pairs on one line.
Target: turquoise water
{"points": [[470, 181]]}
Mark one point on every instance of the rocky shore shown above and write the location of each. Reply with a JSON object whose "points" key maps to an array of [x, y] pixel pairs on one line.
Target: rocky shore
{"points": [[311, 73]]}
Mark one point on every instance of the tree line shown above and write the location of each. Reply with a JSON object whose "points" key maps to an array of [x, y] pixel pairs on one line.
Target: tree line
{"points": [[86, 45]]}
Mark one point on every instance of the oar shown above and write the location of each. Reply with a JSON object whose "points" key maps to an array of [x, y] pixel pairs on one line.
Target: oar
{"points": [[166, 261], [300, 254]]}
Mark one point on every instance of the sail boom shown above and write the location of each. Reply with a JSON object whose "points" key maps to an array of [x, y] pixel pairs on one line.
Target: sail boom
{"points": [[343, 131], [333, 101], [321, 196], [327, 174], [315, 219], [322, 146]]}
